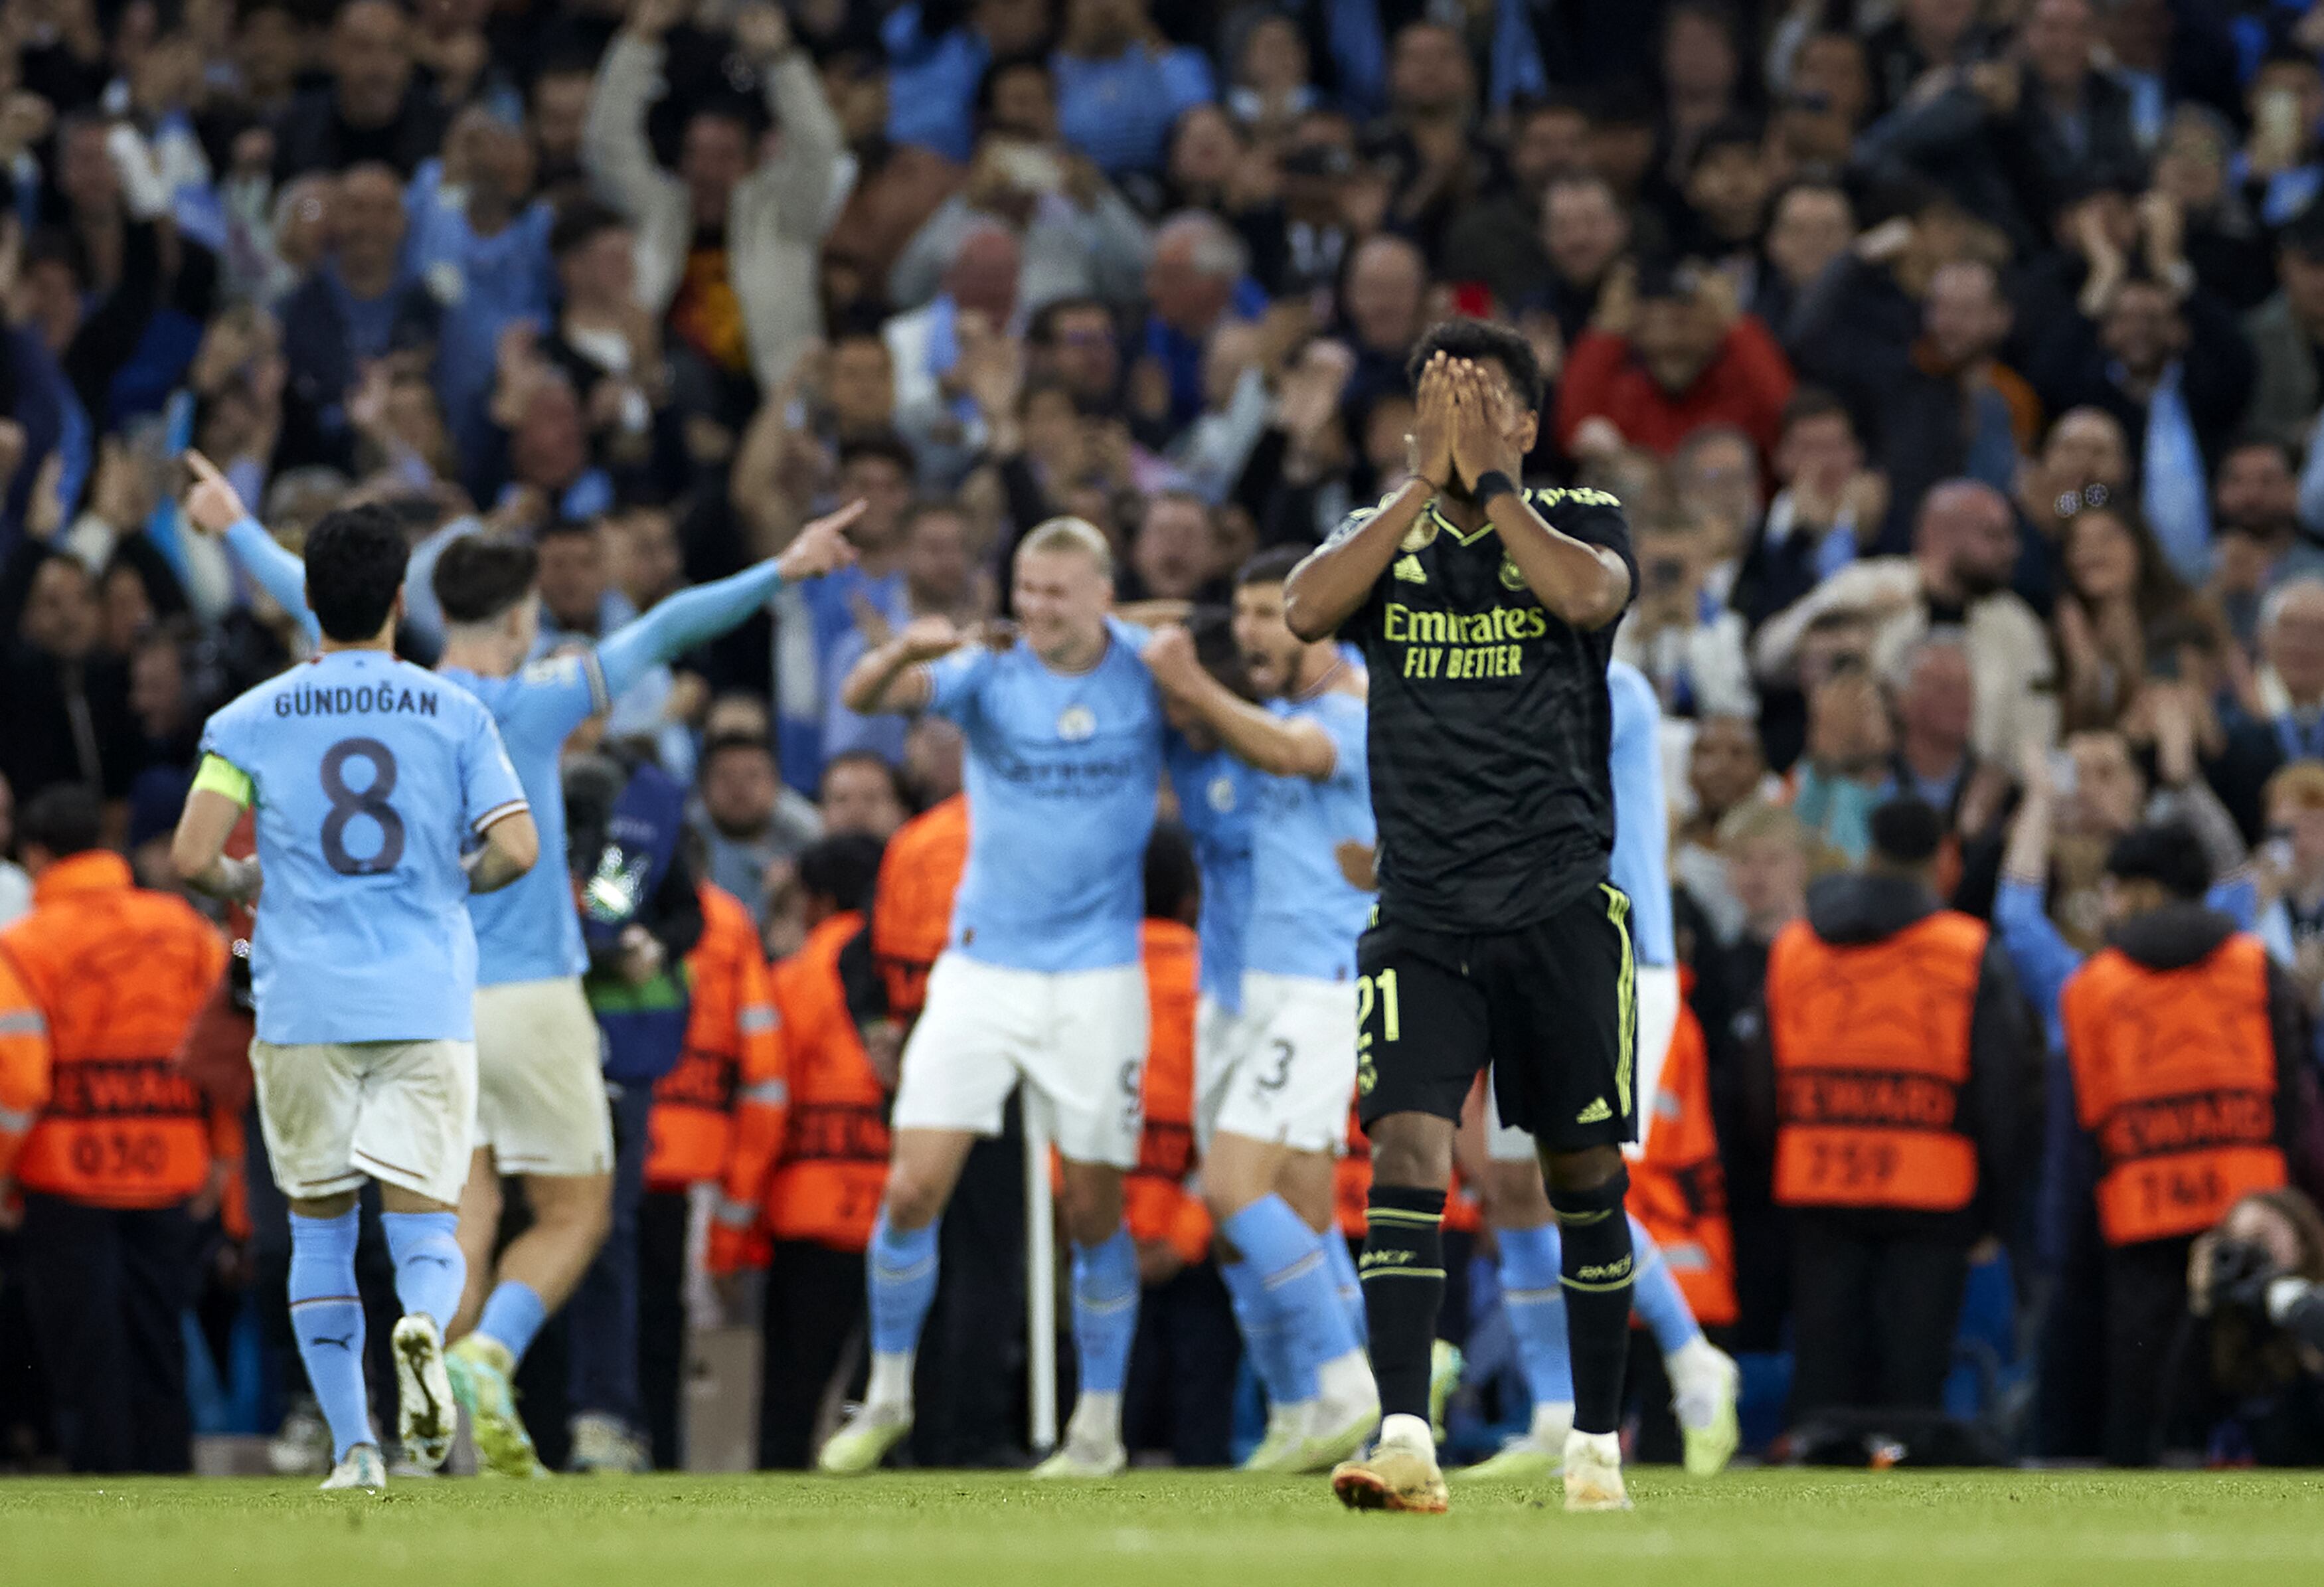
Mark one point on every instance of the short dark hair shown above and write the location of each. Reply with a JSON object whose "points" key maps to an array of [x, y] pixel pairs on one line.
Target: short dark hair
{"points": [[1041, 331], [843, 870], [1728, 132], [1271, 566], [2165, 852], [989, 81], [355, 559], [889, 446], [872, 757], [579, 224], [64, 818], [478, 577], [726, 744], [558, 529], [1813, 403], [1483, 340], [1906, 831]]}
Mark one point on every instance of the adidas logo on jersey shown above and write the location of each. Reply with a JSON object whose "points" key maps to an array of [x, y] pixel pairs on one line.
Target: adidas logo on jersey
{"points": [[1408, 569], [1597, 1112]]}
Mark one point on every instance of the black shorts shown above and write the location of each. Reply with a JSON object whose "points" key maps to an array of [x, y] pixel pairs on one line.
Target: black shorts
{"points": [[1552, 1007]]}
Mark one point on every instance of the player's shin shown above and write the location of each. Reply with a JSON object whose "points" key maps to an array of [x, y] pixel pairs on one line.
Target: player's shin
{"points": [[327, 1318], [1266, 1336], [1297, 1276], [1661, 1303], [1341, 1262], [1596, 1270], [430, 1270], [900, 1270], [1402, 1271], [1534, 1301], [1105, 1323], [514, 1314]]}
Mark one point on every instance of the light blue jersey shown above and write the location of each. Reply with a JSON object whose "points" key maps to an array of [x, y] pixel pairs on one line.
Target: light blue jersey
{"points": [[1215, 794], [529, 930], [1306, 915], [369, 776], [1641, 863], [1064, 769]]}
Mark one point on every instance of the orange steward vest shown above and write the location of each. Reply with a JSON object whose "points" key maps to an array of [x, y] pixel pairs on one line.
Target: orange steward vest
{"points": [[1872, 1050], [2174, 1077]]}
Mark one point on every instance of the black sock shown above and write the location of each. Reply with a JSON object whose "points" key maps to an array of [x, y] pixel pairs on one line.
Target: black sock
{"points": [[1402, 1271], [1596, 1271]]}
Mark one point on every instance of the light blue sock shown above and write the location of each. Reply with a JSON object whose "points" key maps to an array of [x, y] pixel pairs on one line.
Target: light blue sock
{"points": [[430, 1270], [514, 1314], [1656, 1297], [328, 1317], [1342, 1264], [1535, 1303], [901, 1270], [1105, 1311], [1297, 1278], [1262, 1333]]}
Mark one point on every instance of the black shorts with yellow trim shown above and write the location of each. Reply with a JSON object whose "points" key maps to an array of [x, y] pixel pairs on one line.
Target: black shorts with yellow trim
{"points": [[1552, 1007]]}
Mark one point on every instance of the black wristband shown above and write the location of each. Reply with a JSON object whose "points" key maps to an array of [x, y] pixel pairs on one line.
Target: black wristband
{"points": [[1490, 484]]}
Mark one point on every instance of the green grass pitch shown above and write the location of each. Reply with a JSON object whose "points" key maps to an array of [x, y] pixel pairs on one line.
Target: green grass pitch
{"points": [[1169, 1529]]}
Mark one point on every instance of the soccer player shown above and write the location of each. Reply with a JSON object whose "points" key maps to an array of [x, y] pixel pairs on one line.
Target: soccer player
{"points": [[1486, 614], [370, 778], [1274, 1106], [1701, 1375], [1040, 978], [541, 1109]]}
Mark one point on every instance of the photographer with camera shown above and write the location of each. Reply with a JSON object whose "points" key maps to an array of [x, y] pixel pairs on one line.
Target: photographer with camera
{"points": [[2255, 1288]]}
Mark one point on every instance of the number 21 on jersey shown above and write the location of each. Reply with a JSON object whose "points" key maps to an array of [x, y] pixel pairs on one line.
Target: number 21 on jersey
{"points": [[1375, 993]]}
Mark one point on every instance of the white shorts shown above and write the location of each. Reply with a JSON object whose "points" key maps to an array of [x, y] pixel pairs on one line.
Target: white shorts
{"points": [[540, 1091], [337, 1113], [1076, 1037], [1284, 1069], [1658, 998]]}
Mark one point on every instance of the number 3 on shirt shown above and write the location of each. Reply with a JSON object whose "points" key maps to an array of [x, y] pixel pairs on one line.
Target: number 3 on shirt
{"points": [[1378, 990], [371, 800]]}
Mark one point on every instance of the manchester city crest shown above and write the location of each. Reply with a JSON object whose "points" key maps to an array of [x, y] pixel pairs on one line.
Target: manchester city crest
{"points": [[1076, 724]]}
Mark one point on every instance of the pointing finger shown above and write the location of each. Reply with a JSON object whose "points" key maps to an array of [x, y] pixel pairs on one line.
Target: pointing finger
{"points": [[205, 471]]}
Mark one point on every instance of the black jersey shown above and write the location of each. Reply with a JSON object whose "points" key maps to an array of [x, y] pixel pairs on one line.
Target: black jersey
{"points": [[1490, 726]]}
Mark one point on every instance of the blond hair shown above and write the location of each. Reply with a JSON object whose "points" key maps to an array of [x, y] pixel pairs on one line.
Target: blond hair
{"points": [[2302, 782], [1070, 534]]}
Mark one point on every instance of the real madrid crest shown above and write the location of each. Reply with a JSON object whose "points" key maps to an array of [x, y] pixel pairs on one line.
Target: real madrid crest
{"points": [[1511, 579], [1076, 724]]}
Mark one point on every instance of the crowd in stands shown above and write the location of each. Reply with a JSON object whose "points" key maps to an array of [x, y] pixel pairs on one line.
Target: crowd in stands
{"points": [[1959, 364]]}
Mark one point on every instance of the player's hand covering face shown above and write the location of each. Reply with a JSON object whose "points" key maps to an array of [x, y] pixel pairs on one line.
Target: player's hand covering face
{"points": [[1431, 426], [1489, 432]]}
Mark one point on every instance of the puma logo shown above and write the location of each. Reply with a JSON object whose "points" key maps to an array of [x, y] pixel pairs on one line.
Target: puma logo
{"points": [[437, 1262], [344, 1342]]}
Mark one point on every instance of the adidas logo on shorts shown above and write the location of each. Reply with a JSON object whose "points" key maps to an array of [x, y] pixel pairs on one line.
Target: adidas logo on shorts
{"points": [[1597, 1112]]}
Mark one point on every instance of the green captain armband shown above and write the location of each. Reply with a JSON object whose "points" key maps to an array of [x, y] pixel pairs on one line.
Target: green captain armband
{"points": [[224, 777]]}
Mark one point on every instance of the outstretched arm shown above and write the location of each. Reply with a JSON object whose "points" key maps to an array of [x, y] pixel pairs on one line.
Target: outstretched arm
{"points": [[693, 616], [1277, 745], [215, 508], [891, 677]]}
